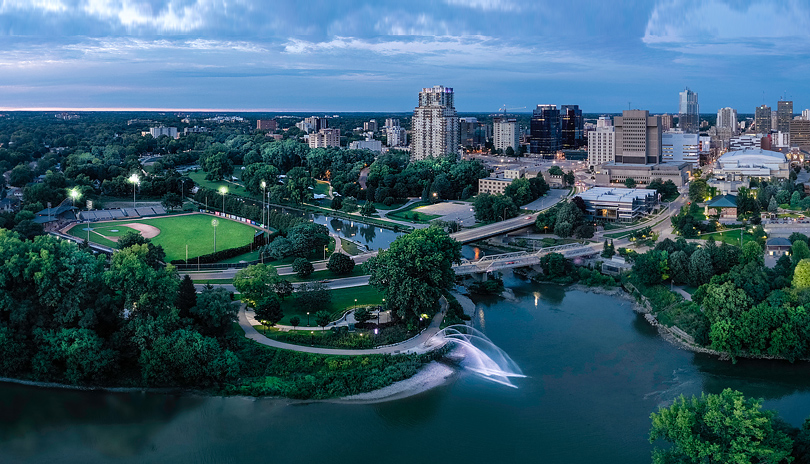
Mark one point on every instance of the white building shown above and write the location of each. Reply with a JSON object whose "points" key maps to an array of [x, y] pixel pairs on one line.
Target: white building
{"points": [[676, 145], [493, 185], [780, 140], [304, 126], [163, 130], [505, 134], [727, 119], [391, 122], [601, 145], [604, 121], [618, 204], [396, 136], [752, 162], [325, 138], [435, 124], [368, 144], [515, 173]]}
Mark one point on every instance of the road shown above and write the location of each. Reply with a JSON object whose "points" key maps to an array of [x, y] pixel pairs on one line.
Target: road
{"points": [[416, 344], [348, 282]]}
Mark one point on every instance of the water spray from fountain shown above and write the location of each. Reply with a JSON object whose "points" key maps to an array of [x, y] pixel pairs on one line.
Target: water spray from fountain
{"points": [[481, 356]]}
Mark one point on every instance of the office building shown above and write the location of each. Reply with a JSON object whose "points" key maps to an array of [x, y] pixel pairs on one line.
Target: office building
{"points": [[163, 130], [784, 114], [666, 122], [515, 173], [618, 204], [604, 121], [370, 126], [317, 123], [762, 119], [267, 124], [678, 146], [506, 134], [435, 125], [493, 185], [325, 138], [396, 136], [572, 127], [367, 144], [467, 128], [727, 119], [601, 145], [688, 111], [638, 137], [800, 134], [740, 142], [545, 131]]}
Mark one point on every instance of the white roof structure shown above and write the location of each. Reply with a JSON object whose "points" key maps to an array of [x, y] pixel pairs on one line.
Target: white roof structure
{"points": [[617, 195], [754, 162]]}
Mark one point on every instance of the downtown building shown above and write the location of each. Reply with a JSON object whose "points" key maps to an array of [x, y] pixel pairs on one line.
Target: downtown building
{"points": [[435, 125], [688, 111], [601, 143], [639, 153], [762, 119], [505, 134], [544, 138], [678, 146], [784, 114], [325, 138]]}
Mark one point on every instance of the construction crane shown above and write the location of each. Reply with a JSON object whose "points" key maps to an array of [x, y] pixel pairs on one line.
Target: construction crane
{"points": [[503, 109]]}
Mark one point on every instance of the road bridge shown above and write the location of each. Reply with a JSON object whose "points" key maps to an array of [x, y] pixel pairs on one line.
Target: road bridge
{"points": [[520, 259]]}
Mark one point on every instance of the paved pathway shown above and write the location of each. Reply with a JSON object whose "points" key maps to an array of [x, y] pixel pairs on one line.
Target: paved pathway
{"points": [[682, 292], [417, 344], [348, 282]]}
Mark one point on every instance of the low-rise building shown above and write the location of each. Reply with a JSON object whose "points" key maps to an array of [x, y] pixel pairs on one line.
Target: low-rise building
{"points": [[368, 144], [725, 205], [163, 130], [777, 246], [493, 185], [616, 173], [618, 204], [515, 173]]}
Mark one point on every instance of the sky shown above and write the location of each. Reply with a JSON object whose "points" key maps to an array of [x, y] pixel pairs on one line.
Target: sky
{"points": [[352, 55]]}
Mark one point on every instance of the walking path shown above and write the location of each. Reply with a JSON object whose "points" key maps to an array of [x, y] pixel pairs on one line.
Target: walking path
{"points": [[682, 292], [417, 344]]}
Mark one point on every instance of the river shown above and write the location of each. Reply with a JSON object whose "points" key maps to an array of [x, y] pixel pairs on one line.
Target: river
{"points": [[595, 371]]}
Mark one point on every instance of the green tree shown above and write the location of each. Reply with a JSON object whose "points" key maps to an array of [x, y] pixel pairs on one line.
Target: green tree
{"points": [[268, 311], [187, 358], [368, 209], [520, 191], [322, 318], [295, 321], [302, 267], [299, 185], [556, 171], [773, 206], [20, 175], [171, 201], [349, 205], [799, 251], [701, 269], [795, 199], [362, 315], [630, 182], [801, 275], [340, 264], [312, 296], [722, 428], [283, 288], [255, 174], [77, 355], [752, 253], [214, 312], [255, 282], [307, 238], [414, 270], [698, 190], [217, 166], [679, 266], [186, 296]]}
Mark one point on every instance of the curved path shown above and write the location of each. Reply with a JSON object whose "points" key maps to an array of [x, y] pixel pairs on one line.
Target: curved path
{"points": [[417, 344]]}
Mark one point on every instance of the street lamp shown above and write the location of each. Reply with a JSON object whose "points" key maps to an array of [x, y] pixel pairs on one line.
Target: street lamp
{"points": [[264, 186], [222, 191], [311, 337], [74, 195], [307, 317], [214, 224], [379, 311], [355, 303], [325, 247], [135, 181]]}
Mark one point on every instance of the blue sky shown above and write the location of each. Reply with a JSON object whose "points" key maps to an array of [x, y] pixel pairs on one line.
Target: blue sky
{"points": [[327, 55]]}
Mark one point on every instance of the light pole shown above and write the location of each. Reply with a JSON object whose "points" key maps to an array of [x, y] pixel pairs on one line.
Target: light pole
{"points": [[264, 186], [379, 311], [74, 195], [355, 303], [307, 317], [222, 191], [214, 224], [135, 181], [325, 247]]}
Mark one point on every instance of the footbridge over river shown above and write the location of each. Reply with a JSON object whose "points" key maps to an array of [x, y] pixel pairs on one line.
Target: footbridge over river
{"points": [[494, 263]]}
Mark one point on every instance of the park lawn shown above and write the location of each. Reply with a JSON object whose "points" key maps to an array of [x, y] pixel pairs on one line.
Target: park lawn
{"points": [[233, 188], [384, 207], [350, 247], [342, 300], [732, 237], [407, 214], [321, 188], [325, 274], [176, 232]]}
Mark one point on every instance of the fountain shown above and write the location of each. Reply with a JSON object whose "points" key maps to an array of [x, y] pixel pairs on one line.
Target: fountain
{"points": [[480, 355]]}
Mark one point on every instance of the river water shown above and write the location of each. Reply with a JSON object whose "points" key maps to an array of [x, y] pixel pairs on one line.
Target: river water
{"points": [[596, 370]]}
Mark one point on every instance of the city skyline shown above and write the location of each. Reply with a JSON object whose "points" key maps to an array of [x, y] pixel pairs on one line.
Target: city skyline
{"points": [[242, 55]]}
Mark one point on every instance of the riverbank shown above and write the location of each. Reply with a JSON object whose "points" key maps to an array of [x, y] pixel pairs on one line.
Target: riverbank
{"points": [[434, 374]]}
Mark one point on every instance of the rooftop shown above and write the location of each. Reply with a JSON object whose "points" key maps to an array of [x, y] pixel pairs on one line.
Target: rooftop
{"points": [[615, 194], [723, 201]]}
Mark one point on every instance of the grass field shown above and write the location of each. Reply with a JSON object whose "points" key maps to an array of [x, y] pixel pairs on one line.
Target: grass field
{"points": [[407, 214], [176, 232], [342, 299]]}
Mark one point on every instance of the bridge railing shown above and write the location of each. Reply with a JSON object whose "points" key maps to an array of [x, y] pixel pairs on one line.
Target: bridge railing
{"points": [[520, 259]]}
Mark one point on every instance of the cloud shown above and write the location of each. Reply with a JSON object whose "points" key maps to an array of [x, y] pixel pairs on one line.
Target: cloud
{"points": [[486, 5], [718, 27]]}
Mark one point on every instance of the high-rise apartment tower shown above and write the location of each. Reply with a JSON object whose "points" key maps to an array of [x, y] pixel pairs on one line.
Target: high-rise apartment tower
{"points": [[434, 124], [688, 111]]}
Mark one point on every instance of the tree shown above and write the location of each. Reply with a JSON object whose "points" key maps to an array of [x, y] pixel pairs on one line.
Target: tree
{"points": [[20, 176], [795, 199], [186, 296], [337, 203], [555, 171], [520, 191], [650, 267], [268, 311], [298, 183], [214, 312], [349, 205], [187, 358], [510, 152], [698, 190], [255, 282], [302, 267], [752, 253], [569, 178], [720, 428], [217, 166], [679, 266], [171, 201], [279, 248], [414, 270], [700, 268], [362, 315], [307, 238], [322, 318], [283, 288], [312, 296], [608, 250], [773, 206], [294, 321], [801, 275], [630, 182], [799, 251], [368, 209], [340, 264]]}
